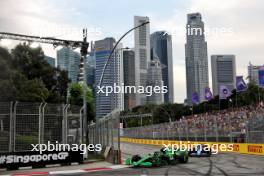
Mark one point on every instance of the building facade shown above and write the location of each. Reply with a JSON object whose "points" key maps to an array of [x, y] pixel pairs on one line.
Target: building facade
{"points": [[129, 77], [196, 59], [112, 75], [253, 73], [223, 72], [90, 70], [161, 46], [142, 55], [154, 79], [69, 60], [50, 60]]}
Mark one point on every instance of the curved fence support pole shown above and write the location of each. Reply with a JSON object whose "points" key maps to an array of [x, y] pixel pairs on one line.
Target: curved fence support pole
{"points": [[11, 130], [66, 123], [40, 123], [14, 126]]}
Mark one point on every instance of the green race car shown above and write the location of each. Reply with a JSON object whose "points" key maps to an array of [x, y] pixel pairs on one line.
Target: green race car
{"points": [[166, 156]]}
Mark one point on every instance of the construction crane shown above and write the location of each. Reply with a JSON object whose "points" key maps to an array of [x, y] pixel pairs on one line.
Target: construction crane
{"points": [[83, 45]]}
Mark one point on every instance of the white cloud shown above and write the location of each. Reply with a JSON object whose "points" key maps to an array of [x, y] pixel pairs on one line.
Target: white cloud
{"points": [[43, 18], [62, 19]]}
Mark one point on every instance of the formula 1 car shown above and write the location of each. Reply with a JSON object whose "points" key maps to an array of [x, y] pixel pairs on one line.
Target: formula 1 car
{"points": [[201, 150], [166, 156]]}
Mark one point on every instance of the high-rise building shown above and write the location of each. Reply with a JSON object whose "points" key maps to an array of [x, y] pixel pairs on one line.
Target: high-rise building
{"points": [[90, 69], [253, 73], [154, 79], [142, 55], [50, 60], [112, 76], [129, 77], [196, 59], [161, 45], [69, 60], [223, 72]]}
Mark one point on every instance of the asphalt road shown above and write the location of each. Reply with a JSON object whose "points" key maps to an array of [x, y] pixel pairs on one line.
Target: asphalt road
{"points": [[221, 164]]}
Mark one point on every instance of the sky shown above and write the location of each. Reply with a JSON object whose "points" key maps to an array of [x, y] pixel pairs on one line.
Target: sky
{"points": [[233, 26]]}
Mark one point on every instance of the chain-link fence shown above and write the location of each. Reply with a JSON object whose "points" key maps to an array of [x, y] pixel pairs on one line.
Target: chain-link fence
{"points": [[23, 124], [5, 123], [106, 131], [240, 125]]}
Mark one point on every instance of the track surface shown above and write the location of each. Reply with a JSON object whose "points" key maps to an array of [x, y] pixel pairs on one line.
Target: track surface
{"points": [[220, 164]]}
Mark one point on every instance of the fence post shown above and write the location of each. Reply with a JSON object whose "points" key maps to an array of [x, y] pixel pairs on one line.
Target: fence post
{"points": [[118, 138], [14, 126], [11, 127], [247, 133], [230, 129], [67, 126], [179, 134], [40, 121], [81, 126], [63, 123], [216, 128], [107, 130], [205, 136]]}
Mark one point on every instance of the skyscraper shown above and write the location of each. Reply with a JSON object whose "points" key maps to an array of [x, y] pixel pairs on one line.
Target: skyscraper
{"points": [[154, 79], [253, 73], [223, 72], [196, 57], [129, 77], [90, 70], [161, 46], [112, 75], [142, 55], [50, 60], [69, 60]]}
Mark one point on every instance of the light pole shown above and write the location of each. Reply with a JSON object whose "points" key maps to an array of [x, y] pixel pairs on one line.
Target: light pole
{"points": [[112, 51], [102, 75]]}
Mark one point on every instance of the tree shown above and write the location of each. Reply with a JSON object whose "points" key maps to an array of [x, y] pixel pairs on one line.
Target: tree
{"points": [[26, 69], [31, 62], [33, 91], [76, 98]]}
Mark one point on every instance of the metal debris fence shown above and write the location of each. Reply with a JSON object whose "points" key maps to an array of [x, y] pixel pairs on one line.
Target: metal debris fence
{"points": [[106, 131], [241, 126], [23, 124]]}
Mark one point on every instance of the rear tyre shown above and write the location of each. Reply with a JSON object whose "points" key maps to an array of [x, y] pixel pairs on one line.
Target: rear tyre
{"points": [[135, 158], [164, 163]]}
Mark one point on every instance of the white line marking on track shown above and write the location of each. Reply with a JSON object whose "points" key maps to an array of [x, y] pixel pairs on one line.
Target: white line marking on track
{"points": [[67, 172], [118, 166]]}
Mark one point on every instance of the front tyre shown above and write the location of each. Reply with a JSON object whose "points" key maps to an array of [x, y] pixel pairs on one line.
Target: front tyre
{"points": [[184, 159]]}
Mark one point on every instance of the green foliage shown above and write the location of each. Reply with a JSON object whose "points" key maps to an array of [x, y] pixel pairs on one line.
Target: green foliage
{"points": [[26, 76], [33, 91], [76, 98]]}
